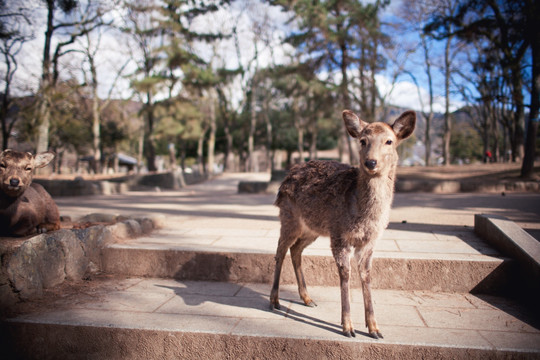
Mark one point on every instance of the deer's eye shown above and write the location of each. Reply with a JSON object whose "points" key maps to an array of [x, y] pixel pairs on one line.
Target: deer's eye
{"points": [[389, 142], [2, 165], [28, 168], [363, 142]]}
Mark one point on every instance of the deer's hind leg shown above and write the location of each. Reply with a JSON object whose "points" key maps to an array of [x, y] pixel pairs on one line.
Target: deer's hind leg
{"points": [[296, 256], [291, 229]]}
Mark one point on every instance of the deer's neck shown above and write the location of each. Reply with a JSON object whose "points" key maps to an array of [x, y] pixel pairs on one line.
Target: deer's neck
{"points": [[376, 195]]}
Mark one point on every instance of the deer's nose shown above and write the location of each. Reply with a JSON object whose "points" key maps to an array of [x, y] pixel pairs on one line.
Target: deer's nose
{"points": [[14, 182], [371, 164]]}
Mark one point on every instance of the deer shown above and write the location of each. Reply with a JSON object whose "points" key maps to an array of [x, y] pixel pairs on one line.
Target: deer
{"points": [[349, 204], [26, 208]]}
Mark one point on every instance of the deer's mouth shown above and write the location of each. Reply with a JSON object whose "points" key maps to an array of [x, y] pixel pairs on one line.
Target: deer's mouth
{"points": [[11, 190]]}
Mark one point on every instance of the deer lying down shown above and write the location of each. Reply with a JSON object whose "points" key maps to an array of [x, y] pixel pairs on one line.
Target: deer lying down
{"points": [[350, 205], [25, 207]]}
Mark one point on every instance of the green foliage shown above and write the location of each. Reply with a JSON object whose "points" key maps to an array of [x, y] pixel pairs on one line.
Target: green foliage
{"points": [[179, 122], [465, 144]]}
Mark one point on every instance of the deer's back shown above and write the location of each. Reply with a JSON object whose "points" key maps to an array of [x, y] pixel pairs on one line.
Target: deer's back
{"points": [[334, 198], [317, 181]]}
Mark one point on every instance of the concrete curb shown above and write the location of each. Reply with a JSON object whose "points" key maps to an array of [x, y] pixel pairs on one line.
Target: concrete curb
{"points": [[511, 240], [487, 277], [26, 340]]}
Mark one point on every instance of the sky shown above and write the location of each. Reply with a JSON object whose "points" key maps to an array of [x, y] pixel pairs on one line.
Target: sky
{"points": [[245, 15]]}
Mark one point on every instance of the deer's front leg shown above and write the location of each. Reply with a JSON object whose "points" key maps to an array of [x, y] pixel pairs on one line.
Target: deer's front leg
{"points": [[364, 257], [342, 256]]}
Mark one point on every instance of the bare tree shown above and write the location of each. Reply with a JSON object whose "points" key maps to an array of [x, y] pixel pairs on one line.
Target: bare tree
{"points": [[416, 14], [91, 48], [67, 32], [12, 39]]}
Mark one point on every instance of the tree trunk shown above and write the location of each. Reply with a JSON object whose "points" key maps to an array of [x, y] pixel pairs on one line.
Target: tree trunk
{"points": [[300, 144], [149, 148], [527, 168], [211, 144], [447, 120], [252, 125], [427, 138], [44, 114], [96, 123]]}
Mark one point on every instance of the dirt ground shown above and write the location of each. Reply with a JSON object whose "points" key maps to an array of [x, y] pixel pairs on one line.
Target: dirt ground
{"points": [[494, 171]]}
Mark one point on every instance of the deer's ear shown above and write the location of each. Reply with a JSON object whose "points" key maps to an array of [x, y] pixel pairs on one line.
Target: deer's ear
{"points": [[353, 124], [42, 159], [404, 125]]}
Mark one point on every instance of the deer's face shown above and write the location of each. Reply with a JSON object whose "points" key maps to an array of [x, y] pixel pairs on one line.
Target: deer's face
{"points": [[377, 148], [16, 170], [378, 141]]}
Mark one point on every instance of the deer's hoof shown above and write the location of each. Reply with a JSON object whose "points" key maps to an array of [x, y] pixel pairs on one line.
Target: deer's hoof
{"points": [[376, 335], [311, 303], [349, 333], [275, 306]]}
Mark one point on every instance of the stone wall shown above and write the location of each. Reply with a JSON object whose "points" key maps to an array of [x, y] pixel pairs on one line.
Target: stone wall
{"points": [[29, 266], [81, 187]]}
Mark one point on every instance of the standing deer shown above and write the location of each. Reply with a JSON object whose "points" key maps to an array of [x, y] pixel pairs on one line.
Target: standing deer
{"points": [[350, 205]]}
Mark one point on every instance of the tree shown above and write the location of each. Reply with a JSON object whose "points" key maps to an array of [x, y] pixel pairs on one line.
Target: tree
{"points": [[141, 25], [12, 38], [334, 36], [532, 29], [445, 30], [67, 31], [417, 14], [505, 26], [90, 48], [166, 60]]}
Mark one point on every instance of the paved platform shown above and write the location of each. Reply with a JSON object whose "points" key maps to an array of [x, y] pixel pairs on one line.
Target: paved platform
{"points": [[161, 317], [433, 295]]}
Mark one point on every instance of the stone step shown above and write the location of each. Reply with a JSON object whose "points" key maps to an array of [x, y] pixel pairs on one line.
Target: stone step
{"points": [[153, 318], [456, 261]]}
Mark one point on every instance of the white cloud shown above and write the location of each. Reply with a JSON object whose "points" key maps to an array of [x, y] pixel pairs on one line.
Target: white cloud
{"points": [[405, 94]]}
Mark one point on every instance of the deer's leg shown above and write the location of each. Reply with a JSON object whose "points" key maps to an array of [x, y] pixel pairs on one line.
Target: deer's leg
{"points": [[296, 256], [342, 255], [290, 231], [364, 257], [24, 221]]}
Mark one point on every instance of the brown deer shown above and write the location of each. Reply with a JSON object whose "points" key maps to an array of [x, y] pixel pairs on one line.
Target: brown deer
{"points": [[25, 207], [350, 205]]}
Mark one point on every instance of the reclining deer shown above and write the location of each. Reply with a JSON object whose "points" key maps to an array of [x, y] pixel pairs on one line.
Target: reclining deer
{"points": [[350, 205], [25, 207]]}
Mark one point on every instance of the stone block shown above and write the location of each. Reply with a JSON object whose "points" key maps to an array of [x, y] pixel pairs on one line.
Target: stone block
{"points": [[133, 228], [98, 217], [252, 187], [75, 258]]}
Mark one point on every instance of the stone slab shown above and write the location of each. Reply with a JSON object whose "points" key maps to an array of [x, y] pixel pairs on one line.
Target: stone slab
{"points": [[178, 318], [514, 242]]}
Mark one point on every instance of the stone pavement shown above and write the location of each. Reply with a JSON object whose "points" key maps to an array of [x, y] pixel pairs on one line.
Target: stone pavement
{"points": [[436, 284]]}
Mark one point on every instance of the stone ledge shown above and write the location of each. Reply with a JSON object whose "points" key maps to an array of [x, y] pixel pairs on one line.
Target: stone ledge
{"points": [[157, 181], [43, 261], [511, 240], [455, 186], [431, 186]]}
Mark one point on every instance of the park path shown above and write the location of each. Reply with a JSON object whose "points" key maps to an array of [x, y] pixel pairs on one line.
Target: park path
{"points": [[199, 286]]}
